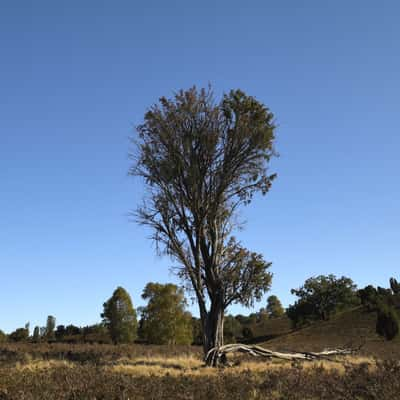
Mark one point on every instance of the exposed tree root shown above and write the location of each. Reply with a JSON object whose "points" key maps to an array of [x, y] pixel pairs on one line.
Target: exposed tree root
{"points": [[217, 356]]}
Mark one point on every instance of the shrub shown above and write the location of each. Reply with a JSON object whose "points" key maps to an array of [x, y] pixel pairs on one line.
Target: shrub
{"points": [[247, 333], [387, 323], [19, 335], [232, 329]]}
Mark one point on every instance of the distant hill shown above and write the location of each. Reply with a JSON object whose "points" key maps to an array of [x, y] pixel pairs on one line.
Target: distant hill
{"points": [[351, 328]]}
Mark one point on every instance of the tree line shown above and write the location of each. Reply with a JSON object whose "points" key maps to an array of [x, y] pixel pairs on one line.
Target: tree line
{"points": [[166, 320]]}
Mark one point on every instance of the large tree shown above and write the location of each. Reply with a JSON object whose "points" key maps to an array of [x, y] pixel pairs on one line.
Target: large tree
{"points": [[202, 160], [320, 297]]}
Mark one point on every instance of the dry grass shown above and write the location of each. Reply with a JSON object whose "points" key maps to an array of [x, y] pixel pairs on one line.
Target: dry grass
{"points": [[194, 366], [36, 365], [184, 377]]}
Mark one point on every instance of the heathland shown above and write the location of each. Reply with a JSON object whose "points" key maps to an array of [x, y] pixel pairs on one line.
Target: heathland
{"points": [[138, 371]]}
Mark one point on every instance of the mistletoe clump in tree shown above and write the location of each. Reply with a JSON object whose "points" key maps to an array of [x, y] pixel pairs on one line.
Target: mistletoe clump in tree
{"points": [[202, 160]]}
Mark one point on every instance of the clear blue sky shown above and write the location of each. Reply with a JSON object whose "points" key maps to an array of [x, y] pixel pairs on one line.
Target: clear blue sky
{"points": [[77, 76]]}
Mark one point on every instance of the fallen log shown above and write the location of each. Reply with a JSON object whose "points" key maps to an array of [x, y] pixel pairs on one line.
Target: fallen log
{"points": [[217, 355]]}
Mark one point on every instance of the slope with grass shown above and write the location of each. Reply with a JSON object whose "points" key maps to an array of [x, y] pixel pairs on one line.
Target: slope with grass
{"points": [[352, 328]]}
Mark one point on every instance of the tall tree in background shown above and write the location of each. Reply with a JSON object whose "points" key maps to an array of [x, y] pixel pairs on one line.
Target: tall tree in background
{"points": [[50, 326], [274, 307], [164, 319], [320, 297], [36, 334], [201, 161], [119, 317]]}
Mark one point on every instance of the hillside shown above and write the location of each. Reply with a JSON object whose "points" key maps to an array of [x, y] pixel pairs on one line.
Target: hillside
{"points": [[351, 328]]}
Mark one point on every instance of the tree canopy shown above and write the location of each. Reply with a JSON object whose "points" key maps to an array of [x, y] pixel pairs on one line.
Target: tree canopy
{"points": [[322, 296]]}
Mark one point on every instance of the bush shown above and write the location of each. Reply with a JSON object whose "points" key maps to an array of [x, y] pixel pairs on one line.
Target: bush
{"points": [[19, 335], [387, 323], [247, 333], [232, 329]]}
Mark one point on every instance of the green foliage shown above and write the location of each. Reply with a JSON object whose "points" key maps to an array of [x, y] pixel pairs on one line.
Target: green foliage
{"points": [[395, 286], [247, 332], [197, 331], [274, 307], [164, 319], [36, 334], [387, 323], [97, 333], [50, 326], [368, 297], [320, 297], [119, 317], [60, 333], [386, 301], [232, 329], [19, 335], [3, 337]]}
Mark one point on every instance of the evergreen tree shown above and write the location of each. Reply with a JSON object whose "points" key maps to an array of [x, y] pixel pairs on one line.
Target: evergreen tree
{"points": [[36, 334], [119, 317], [50, 326]]}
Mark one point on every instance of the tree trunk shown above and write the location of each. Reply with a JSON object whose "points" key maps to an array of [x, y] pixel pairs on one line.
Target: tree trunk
{"points": [[213, 330]]}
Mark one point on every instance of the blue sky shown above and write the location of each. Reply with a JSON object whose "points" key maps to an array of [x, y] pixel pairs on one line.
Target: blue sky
{"points": [[77, 76]]}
